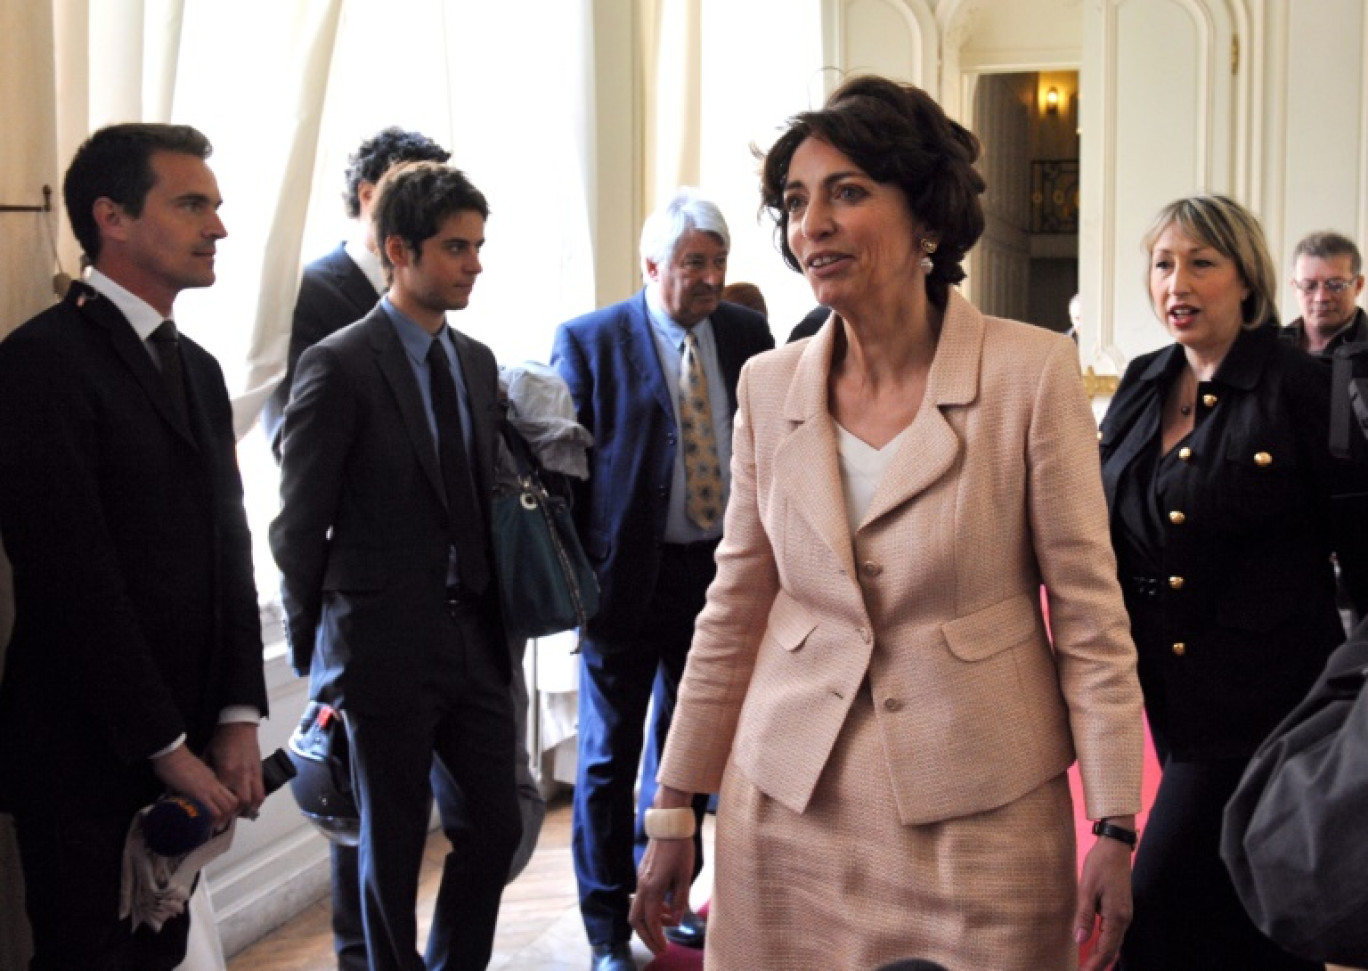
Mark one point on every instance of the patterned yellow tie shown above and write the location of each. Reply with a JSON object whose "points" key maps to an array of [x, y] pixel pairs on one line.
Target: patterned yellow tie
{"points": [[702, 470]]}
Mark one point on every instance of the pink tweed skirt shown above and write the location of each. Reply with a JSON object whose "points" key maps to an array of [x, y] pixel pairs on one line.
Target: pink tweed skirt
{"points": [[845, 886]]}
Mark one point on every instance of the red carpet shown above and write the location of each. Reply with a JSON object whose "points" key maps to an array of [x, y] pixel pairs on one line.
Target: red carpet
{"points": [[683, 959]]}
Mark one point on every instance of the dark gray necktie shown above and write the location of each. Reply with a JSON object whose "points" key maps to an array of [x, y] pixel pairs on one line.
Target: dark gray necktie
{"points": [[166, 342], [464, 522]]}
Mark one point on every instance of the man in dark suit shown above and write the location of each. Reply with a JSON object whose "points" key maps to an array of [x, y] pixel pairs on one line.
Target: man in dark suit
{"points": [[649, 517], [135, 665], [336, 290], [383, 542], [341, 287]]}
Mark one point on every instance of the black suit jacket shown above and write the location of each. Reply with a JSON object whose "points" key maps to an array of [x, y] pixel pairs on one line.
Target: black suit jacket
{"points": [[609, 360], [136, 608], [1255, 608], [333, 292], [361, 539]]}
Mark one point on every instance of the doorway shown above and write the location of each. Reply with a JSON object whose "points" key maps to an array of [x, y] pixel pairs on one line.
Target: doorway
{"points": [[1026, 265]]}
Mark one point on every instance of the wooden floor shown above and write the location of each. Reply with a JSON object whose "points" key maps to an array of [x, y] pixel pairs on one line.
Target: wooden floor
{"points": [[539, 922]]}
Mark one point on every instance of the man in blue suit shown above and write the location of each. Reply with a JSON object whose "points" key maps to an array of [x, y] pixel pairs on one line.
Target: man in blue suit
{"points": [[650, 519]]}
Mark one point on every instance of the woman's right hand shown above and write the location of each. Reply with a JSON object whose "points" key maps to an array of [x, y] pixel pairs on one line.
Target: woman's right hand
{"points": [[662, 895]]}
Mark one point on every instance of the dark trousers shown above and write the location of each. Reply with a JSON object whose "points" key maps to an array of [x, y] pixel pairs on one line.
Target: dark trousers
{"points": [[349, 933], [463, 716], [72, 869], [617, 683], [1187, 914], [349, 930]]}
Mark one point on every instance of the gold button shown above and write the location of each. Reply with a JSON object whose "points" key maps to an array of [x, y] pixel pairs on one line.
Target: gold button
{"points": [[1185, 453], [1176, 583], [1209, 400], [1262, 459], [892, 704], [1099, 434], [872, 569], [1177, 518], [1179, 649]]}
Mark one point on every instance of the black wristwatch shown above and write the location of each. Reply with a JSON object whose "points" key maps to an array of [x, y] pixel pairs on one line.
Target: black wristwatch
{"points": [[1114, 832]]}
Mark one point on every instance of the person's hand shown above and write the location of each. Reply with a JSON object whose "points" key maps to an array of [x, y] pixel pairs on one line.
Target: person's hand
{"points": [[662, 894], [1104, 899], [183, 772], [236, 758]]}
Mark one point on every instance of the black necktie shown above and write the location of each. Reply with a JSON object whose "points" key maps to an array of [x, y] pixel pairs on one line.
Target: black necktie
{"points": [[166, 342], [463, 511]]}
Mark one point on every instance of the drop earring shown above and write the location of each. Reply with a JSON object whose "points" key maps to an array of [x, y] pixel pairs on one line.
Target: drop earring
{"points": [[928, 246]]}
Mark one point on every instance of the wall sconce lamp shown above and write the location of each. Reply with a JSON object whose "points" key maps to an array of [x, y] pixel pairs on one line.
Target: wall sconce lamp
{"points": [[1052, 101]]}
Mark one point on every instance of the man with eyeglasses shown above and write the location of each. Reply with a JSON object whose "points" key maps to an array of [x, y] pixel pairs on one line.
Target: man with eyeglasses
{"points": [[1328, 279]]}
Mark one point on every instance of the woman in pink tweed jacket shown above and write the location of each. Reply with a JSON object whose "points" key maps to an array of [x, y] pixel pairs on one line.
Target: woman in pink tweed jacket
{"points": [[871, 686]]}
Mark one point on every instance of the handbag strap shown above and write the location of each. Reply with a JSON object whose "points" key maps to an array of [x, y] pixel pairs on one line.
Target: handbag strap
{"points": [[521, 452]]}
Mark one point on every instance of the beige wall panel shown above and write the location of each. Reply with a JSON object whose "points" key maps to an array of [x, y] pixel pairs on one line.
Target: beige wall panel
{"points": [[882, 37], [27, 104], [1325, 172], [1157, 124]]}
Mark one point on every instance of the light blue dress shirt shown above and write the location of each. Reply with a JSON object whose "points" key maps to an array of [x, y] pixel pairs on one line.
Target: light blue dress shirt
{"points": [[416, 342]]}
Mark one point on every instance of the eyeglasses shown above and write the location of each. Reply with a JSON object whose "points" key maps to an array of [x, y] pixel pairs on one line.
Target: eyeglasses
{"points": [[1336, 285]]}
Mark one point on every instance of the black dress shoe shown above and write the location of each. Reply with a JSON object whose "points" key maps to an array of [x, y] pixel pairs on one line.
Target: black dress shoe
{"points": [[612, 957], [692, 931]]}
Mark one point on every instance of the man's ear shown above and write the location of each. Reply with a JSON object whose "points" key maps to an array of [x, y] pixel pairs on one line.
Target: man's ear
{"points": [[365, 195], [398, 251], [651, 268], [110, 217]]}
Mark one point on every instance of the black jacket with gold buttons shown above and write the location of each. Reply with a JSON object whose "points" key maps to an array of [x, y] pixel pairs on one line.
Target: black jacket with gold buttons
{"points": [[1238, 620]]}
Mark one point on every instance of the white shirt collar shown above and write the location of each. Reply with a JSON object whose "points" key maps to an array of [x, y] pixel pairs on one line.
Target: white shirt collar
{"points": [[366, 260], [672, 329], [144, 318]]}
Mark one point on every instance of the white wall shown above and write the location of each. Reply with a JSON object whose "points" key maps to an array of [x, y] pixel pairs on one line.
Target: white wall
{"points": [[1315, 93]]}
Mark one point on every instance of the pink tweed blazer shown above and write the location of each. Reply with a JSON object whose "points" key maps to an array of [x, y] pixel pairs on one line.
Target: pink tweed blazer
{"points": [[935, 598]]}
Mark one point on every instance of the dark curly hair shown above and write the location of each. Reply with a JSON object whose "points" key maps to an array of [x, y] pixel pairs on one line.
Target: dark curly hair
{"points": [[898, 135], [374, 157]]}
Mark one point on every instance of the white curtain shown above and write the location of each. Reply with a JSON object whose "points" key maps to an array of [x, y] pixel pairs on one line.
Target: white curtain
{"points": [[254, 77], [721, 77]]}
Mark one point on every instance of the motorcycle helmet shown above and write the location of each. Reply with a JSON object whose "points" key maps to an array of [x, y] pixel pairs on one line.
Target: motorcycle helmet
{"points": [[322, 784]]}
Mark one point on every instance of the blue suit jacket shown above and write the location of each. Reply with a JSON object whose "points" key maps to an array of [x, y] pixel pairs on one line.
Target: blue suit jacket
{"points": [[333, 292], [608, 358]]}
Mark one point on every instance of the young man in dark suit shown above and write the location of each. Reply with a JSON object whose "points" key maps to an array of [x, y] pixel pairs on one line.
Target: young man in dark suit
{"points": [[383, 542], [135, 665], [650, 518], [336, 290]]}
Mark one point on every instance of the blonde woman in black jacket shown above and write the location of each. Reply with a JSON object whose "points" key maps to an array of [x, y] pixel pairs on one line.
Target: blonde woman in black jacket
{"points": [[1220, 483]]}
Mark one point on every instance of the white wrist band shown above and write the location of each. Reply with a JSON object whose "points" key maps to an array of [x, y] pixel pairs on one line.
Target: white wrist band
{"points": [[670, 824]]}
